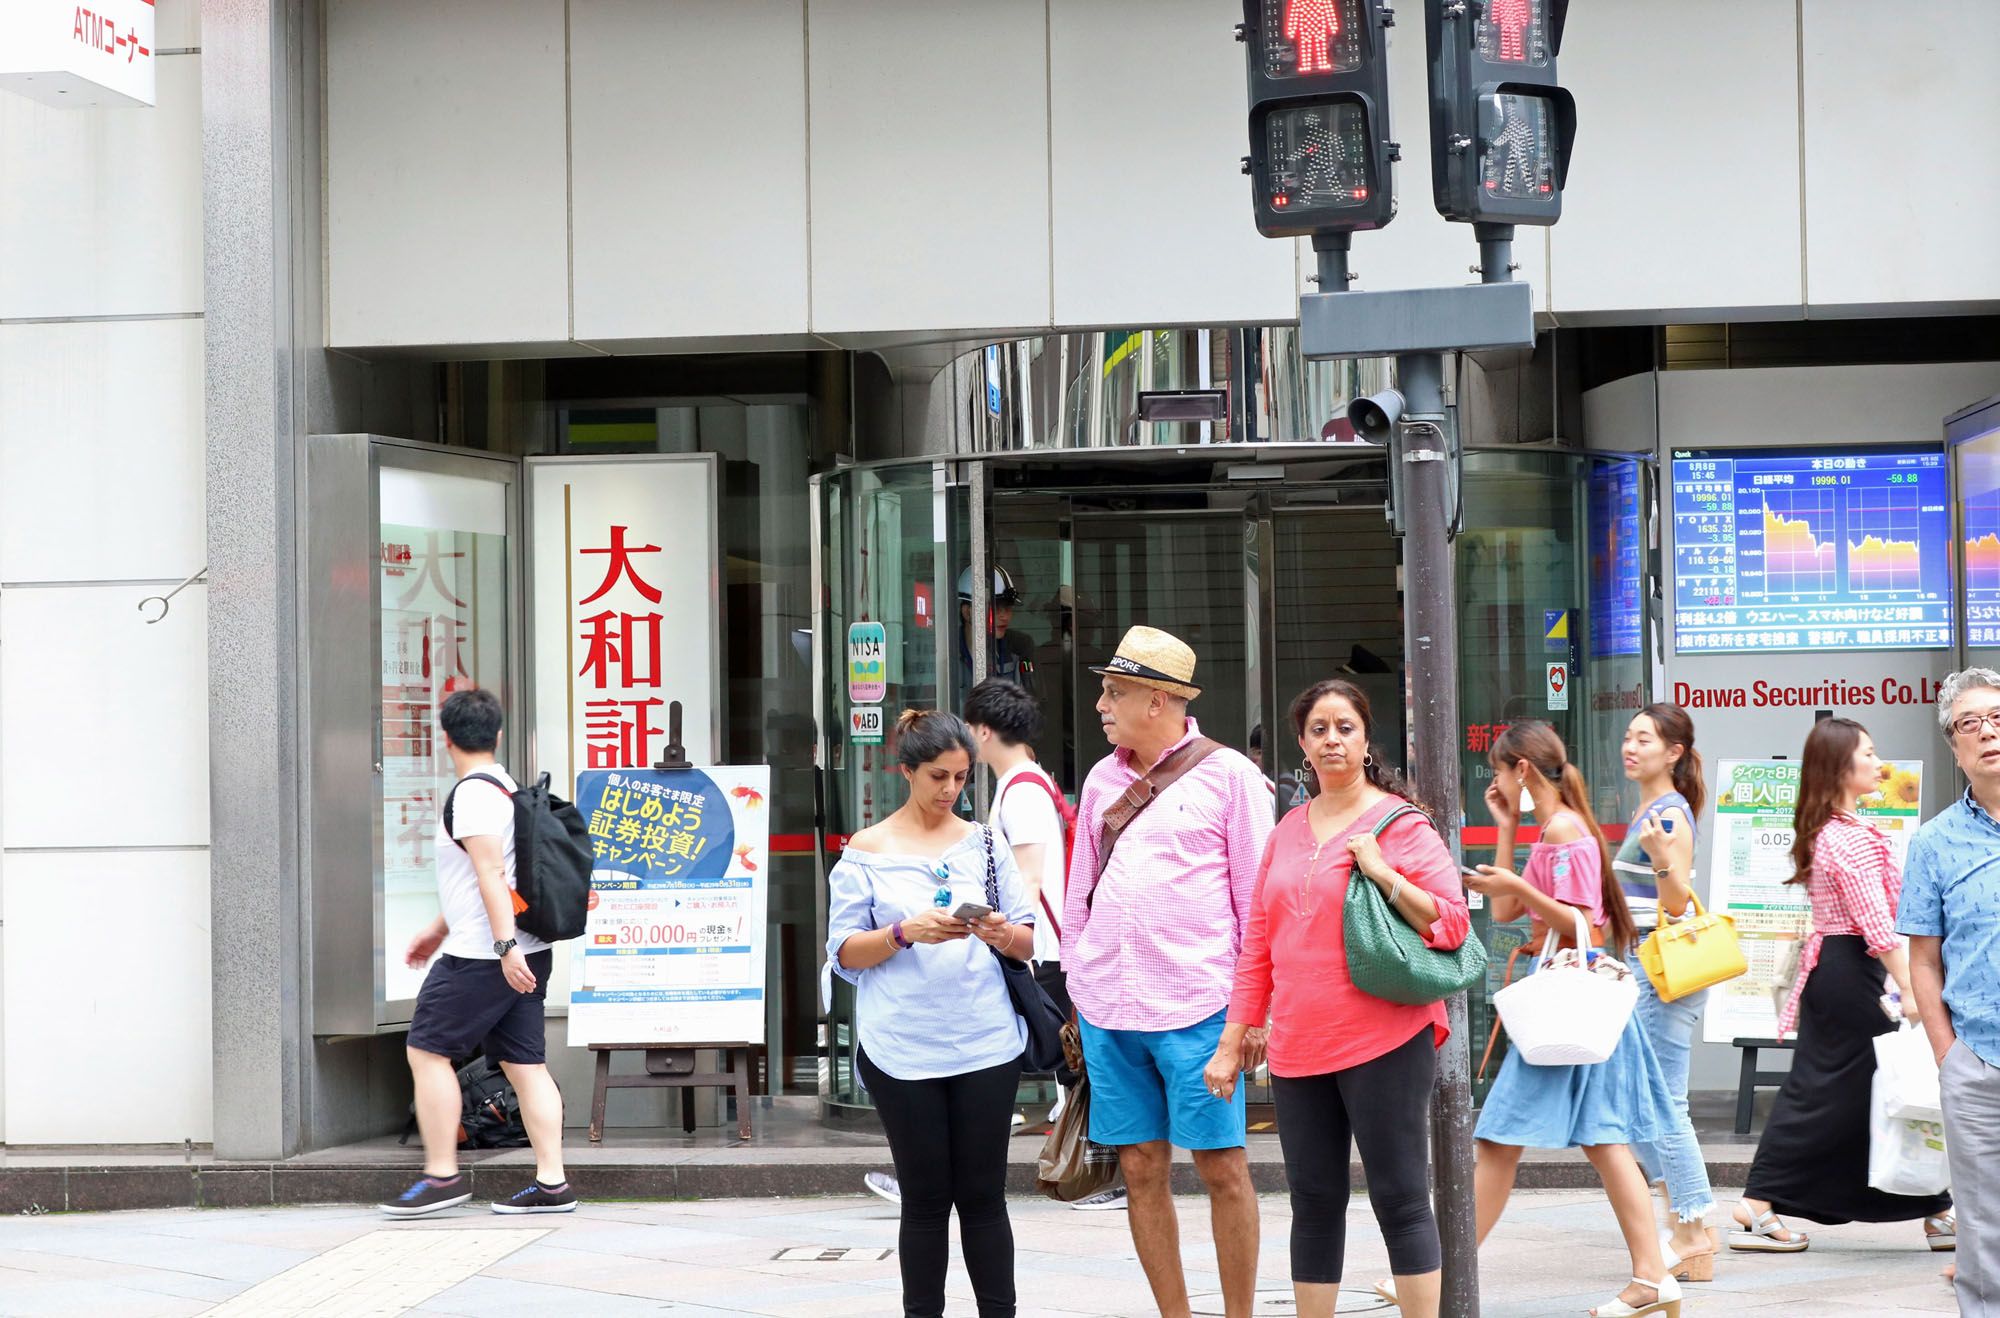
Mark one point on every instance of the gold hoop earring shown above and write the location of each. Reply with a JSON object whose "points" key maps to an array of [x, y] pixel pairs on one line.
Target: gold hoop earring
{"points": [[1306, 767]]}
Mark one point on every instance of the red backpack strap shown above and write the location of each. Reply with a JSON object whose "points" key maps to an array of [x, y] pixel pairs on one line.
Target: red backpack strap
{"points": [[1056, 799]]}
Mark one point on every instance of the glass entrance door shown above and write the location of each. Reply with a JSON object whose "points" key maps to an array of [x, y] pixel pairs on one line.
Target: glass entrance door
{"points": [[1185, 572]]}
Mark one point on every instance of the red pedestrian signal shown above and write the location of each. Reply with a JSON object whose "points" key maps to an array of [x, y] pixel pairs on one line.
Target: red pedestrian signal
{"points": [[1501, 126], [1319, 115]]}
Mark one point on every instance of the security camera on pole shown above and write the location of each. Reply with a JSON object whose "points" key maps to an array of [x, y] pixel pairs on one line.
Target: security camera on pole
{"points": [[1320, 157]]}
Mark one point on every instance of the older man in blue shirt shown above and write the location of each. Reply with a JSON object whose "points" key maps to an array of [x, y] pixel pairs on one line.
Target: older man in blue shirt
{"points": [[1951, 912]]}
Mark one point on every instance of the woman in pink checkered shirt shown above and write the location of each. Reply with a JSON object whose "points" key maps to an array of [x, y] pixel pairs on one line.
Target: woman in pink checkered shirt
{"points": [[1812, 1161]]}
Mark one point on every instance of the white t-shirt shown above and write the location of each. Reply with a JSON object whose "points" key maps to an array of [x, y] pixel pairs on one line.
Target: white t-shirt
{"points": [[478, 810], [1023, 817]]}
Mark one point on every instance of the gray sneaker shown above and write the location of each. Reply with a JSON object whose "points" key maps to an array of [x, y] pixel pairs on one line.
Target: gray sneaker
{"points": [[883, 1186], [1103, 1201]]}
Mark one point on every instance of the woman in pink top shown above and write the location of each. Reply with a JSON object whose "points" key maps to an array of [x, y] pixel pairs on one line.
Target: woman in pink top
{"points": [[1603, 1108], [1346, 1067], [1812, 1161]]}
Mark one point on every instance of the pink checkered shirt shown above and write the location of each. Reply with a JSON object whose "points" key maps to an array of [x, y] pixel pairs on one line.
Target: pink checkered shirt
{"points": [[1154, 948], [1855, 887]]}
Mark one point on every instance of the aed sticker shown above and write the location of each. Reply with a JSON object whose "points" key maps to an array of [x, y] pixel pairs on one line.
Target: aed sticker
{"points": [[864, 725], [1558, 686]]}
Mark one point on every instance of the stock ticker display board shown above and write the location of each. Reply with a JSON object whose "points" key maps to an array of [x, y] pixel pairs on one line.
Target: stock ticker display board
{"points": [[1799, 549]]}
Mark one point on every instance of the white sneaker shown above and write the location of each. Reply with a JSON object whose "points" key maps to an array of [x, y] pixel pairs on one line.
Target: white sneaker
{"points": [[883, 1186], [1103, 1201], [1020, 1120]]}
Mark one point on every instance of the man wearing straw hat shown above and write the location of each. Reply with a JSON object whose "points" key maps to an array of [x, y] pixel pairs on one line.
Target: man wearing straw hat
{"points": [[1170, 832]]}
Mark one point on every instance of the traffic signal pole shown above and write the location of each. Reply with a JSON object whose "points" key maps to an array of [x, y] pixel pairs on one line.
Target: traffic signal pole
{"points": [[1319, 163], [1421, 454], [1431, 643]]}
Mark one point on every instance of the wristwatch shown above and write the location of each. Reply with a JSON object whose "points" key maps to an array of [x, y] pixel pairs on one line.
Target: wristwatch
{"points": [[896, 936], [502, 946]]}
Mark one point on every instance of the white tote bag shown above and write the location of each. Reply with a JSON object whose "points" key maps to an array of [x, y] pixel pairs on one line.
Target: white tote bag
{"points": [[1570, 1012], [1904, 1156], [1909, 1075]]}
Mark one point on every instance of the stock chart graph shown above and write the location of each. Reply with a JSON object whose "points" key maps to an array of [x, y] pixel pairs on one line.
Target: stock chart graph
{"points": [[1811, 549]]}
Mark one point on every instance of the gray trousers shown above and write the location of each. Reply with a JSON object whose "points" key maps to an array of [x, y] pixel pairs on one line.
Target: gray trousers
{"points": [[1972, 1148]]}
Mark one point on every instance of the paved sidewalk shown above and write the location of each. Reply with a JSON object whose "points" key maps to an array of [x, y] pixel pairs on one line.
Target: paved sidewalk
{"points": [[1556, 1252]]}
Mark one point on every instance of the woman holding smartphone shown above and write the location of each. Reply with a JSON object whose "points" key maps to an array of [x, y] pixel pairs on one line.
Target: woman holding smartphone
{"points": [[1812, 1161], [1347, 1068], [1656, 868], [1603, 1108], [940, 1041]]}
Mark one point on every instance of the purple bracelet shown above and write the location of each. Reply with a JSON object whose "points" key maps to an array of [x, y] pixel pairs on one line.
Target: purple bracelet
{"points": [[896, 936]]}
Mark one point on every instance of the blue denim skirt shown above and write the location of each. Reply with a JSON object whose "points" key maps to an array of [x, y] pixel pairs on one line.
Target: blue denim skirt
{"points": [[1624, 1099]]}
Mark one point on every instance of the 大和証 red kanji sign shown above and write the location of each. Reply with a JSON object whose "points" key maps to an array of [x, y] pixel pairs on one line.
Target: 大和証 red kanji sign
{"points": [[624, 618]]}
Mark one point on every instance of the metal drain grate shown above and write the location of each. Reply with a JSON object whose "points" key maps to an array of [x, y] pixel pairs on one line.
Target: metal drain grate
{"points": [[832, 1254], [1281, 1304]]}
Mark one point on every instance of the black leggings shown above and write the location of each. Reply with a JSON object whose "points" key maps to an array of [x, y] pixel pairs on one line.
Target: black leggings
{"points": [[949, 1139], [1383, 1106]]}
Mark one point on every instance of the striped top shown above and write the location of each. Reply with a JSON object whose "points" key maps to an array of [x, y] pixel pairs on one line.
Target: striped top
{"points": [[1634, 867], [1152, 945]]}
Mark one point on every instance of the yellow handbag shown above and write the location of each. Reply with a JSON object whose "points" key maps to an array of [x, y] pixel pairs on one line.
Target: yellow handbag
{"points": [[1692, 953]]}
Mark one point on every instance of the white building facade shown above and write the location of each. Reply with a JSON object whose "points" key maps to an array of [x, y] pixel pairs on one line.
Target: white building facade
{"points": [[332, 200]]}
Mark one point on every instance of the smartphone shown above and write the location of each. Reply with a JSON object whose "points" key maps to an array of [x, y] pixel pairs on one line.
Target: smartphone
{"points": [[1467, 869], [971, 912]]}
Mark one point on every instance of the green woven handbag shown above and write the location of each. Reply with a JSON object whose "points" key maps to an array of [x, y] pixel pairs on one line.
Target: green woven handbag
{"points": [[1389, 959]]}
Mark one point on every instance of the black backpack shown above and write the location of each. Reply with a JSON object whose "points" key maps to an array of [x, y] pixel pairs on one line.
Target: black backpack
{"points": [[489, 1114], [552, 859]]}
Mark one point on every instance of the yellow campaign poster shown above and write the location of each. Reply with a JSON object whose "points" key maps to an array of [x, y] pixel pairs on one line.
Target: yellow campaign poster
{"points": [[1750, 865]]}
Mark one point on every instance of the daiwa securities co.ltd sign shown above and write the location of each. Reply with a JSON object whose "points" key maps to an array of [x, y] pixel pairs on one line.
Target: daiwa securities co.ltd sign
{"points": [[72, 56]]}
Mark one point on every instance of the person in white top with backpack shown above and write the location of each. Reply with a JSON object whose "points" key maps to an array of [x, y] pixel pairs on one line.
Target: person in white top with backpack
{"points": [[1031, 815], [489, 984]]}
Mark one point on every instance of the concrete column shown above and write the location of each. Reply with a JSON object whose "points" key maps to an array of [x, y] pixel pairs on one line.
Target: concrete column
{"points": [[252, 99]]}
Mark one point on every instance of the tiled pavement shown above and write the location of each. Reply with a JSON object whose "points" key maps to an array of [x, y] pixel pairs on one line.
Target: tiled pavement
{"points": [[1556, 1252]]}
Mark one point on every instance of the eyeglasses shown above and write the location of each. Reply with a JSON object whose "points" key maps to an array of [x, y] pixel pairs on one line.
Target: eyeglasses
{"points": [[1970, 724]]}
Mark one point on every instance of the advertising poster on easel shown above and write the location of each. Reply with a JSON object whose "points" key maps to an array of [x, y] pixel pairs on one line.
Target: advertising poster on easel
{"points": [[1750, 861], [674, 950]]}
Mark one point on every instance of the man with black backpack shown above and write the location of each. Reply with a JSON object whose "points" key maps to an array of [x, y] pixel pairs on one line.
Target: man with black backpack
{"points": [[489, 986]]}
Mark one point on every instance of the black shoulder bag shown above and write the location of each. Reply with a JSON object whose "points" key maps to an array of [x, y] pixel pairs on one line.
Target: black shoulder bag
{"points": [[1032, 1003]]}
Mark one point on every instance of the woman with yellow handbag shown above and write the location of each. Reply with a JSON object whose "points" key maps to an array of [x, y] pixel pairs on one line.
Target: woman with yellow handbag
{"points": [[1655, 866]]}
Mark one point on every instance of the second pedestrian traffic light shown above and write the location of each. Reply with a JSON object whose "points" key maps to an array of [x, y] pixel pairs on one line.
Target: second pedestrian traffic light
{"points": [[1319, 115], [1501, 129]]}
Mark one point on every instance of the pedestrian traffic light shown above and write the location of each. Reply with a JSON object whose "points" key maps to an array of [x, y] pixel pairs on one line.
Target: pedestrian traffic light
{"points": [[1501, 129], [1319, 115]]}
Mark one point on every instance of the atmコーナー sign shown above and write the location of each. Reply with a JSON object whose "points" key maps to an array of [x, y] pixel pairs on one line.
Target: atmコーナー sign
{"points": [[73, 56]]}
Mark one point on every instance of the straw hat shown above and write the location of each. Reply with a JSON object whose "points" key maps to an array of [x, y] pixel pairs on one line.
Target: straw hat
{"points": [[1151, 657]]}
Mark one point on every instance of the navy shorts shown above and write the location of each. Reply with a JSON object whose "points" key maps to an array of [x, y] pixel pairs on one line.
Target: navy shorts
{"points": [[466, 1002]]}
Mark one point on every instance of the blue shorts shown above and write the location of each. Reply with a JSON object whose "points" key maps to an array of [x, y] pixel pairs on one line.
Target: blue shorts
{"points": [[1146, 1085]]}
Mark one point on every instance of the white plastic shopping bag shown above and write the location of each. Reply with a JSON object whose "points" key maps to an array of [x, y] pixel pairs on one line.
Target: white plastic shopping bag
{"points": [[1905, 1156], [1909, 1074], [1573, 1009]]}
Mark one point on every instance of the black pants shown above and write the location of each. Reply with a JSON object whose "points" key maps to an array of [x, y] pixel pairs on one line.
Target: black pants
{"points": [[949, 1139], [1384, 1106], [1049, 974]]}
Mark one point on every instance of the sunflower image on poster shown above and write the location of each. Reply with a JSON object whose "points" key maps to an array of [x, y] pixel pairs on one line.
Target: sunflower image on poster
{"points": [[1901, 791]]}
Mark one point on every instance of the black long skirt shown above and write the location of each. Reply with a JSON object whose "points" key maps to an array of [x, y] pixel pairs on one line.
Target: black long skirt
{"points": [[1813, 1159]]}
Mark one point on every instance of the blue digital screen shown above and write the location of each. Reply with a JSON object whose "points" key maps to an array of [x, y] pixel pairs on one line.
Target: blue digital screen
{"points": [[1979, 489], [1612, 523], [1792, 549]]}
